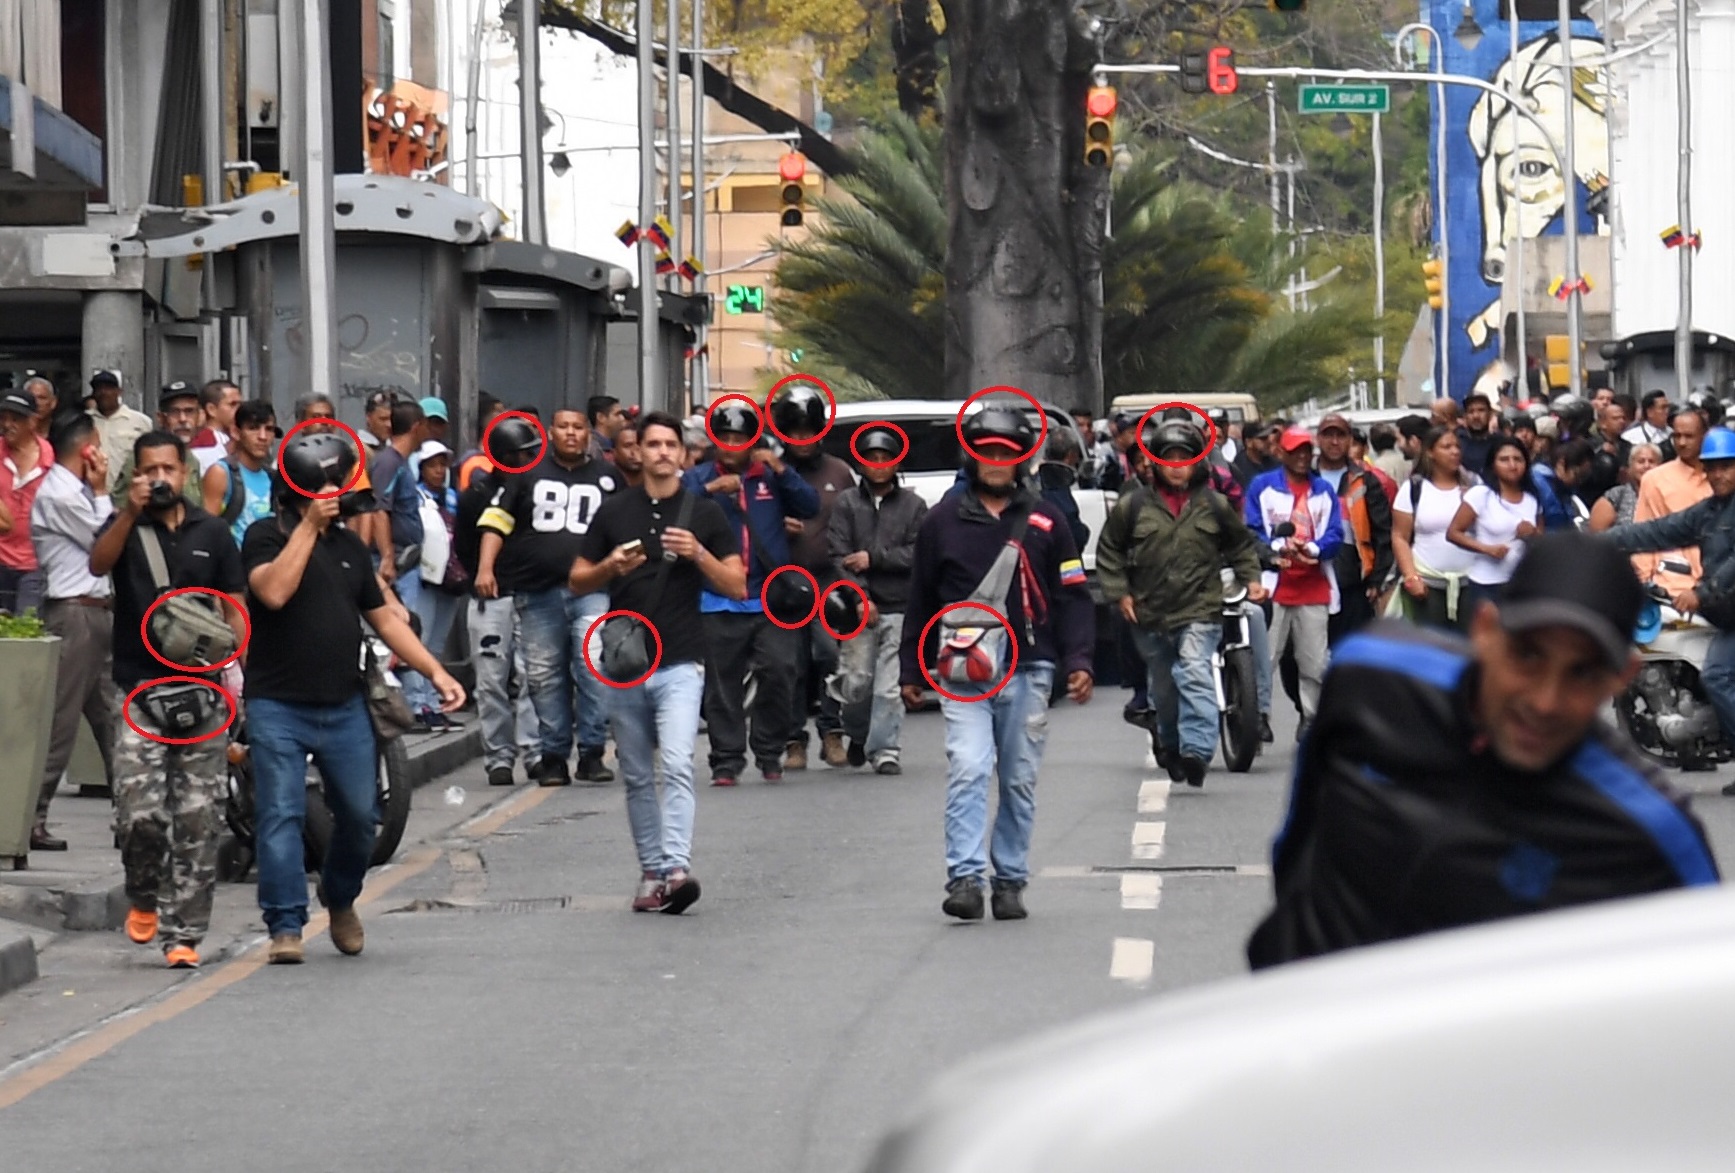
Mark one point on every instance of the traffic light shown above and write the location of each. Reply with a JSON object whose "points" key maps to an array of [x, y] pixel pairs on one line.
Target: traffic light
{"points": [[790, 169], [1558, 351], [1099, 108], [1289, 5], [1434, 278], [1193, 73]]}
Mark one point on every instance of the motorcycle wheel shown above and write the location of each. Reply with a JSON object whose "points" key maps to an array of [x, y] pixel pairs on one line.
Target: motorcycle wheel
{"points": [[238, 802], [1239, 720], [393, 787]]}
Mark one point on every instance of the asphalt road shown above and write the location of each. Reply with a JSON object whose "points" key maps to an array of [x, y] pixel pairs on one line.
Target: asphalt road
{"points": [[510, 1012]]}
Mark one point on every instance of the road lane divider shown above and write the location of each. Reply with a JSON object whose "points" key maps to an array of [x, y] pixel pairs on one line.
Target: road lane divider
{"points": [[1133, 960]]}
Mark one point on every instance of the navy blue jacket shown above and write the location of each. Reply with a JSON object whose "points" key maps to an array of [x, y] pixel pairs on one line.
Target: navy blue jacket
{"points": [[1552, 498], [769, 497], [959, 541]]}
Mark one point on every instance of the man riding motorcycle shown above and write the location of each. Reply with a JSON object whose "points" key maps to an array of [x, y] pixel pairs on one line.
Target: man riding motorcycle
{"points": [[1710, 525]]}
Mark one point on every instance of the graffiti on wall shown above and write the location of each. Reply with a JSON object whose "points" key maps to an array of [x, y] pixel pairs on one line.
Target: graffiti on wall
{"points": [[1503, 181]]}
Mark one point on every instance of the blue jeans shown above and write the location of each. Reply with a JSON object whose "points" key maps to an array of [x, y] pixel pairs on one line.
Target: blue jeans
{"points": [[340, 738], [660, 717], [1182, 690], [1259, 638], [1718, 676], [492, 625], [551, 626], [1000, 738]]}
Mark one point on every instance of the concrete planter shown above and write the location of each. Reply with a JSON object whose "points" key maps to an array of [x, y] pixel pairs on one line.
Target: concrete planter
{"points": [[28, 668]]}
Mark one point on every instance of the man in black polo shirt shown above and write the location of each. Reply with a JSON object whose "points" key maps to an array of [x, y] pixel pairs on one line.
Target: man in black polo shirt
{"points": [[531, 532], [655, 548], [168, 798], [312, 583]]}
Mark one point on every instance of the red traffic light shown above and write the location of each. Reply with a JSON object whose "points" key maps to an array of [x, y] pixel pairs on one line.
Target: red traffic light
{"points": [[1100, 102], [1220, 70], [792, 166]]}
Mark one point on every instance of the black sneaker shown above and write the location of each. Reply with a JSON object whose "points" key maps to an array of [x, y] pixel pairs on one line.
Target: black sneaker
{"points": [[1145, 719], [500, 776], [888, 767], [1301, 729], [857, 756], [591, 769], [963, 898], [1193, 770], [680, 892], [1265, 733], [551, 771], [1167, 759], [1008, 901]]}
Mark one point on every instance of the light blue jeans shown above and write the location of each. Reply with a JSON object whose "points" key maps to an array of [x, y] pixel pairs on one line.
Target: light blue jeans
{"points": [[492, 625], [1718, 677], [551, 627], [877, 723], [1259, 637], [655, 725], [1182, 691], [1000, 738]]}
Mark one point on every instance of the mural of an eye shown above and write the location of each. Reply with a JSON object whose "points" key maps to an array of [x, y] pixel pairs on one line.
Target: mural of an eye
{"points": [[1533, 169]]}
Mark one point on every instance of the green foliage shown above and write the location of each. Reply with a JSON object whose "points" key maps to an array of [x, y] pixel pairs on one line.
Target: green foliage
{"points": [[25, 626], [1188, 285]]}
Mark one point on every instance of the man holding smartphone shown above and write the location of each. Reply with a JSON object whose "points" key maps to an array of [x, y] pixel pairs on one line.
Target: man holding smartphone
{"points": [[656, 548]]}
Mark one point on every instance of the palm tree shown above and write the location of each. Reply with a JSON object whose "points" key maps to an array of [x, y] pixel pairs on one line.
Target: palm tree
{"points": [[1188, 284]]}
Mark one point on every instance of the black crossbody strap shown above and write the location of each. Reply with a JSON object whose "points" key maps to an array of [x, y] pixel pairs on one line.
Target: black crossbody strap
{"points": [[683, 517]]}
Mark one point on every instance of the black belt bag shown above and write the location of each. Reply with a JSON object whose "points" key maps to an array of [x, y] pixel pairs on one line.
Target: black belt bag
{"points": [[181, 710]]}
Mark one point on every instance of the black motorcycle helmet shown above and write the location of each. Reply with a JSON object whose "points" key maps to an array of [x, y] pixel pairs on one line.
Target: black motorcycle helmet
{"points": [[512, 442], [881, 443], [734, 417], [1174, 439], [1575, 414], [1708, 404], [999, 427], [800, 408], [843, 611], [315, 462]]}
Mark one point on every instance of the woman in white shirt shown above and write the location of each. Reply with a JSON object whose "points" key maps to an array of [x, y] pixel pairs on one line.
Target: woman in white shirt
{"points": [[1494, 521], [1434, 570]]}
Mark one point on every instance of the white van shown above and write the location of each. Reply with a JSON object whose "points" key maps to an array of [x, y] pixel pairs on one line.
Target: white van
{"points": [[1239, 406]]}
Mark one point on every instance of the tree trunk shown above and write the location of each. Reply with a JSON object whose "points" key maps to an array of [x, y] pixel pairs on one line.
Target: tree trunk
{"points": [[1024, 255], [915, 49]]}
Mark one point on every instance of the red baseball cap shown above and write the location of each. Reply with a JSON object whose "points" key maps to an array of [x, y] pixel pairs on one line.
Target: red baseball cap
{"points": [[1294, 437]]}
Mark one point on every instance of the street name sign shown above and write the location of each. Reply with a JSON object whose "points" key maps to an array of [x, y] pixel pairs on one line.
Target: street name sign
{"points": [[1346, 99]]}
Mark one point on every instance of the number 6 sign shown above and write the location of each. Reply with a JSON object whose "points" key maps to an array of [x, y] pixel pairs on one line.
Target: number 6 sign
{"points": [[1220, 70]]}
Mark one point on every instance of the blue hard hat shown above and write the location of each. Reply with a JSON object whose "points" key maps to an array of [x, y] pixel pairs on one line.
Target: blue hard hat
{"points": [[1650, 624], [1719, 445]]}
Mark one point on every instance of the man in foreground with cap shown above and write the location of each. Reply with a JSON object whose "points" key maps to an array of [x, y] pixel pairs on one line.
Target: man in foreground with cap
{"points": [[1449, 783], [117, 425]]}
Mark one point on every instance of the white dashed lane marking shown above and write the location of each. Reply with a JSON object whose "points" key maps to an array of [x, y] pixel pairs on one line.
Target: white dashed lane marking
{"points": [[1133, 960], [1148, 840], [1141, 891], [1154, 796]]}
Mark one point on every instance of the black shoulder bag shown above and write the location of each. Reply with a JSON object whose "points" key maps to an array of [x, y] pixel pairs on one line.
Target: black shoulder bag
{"points": [[626, 641]]}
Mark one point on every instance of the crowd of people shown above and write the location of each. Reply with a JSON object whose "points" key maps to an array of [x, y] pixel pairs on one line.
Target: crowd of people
{"points": [[636, 579]]}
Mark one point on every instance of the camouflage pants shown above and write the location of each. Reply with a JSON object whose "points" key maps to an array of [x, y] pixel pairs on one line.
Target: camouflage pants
{"points": [[169, 812]]}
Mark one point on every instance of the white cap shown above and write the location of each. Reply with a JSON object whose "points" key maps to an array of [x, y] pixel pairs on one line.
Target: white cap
{"points": [[431, 449]]}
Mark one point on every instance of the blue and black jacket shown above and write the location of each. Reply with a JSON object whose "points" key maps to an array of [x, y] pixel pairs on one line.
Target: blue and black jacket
{"points": [[767, 497], [1402, 821]]}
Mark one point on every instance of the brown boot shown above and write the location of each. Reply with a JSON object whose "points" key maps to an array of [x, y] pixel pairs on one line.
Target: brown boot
{"points": [[346, 931], [795, 756], [835, 753], [285, 949]]}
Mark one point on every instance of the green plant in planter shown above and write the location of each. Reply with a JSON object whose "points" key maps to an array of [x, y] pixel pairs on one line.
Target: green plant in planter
{"points": [[25, 626]]}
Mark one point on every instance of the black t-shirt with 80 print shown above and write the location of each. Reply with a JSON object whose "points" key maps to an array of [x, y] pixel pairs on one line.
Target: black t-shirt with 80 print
{"points": [[543, 515], [674, 610], [308, 651]]}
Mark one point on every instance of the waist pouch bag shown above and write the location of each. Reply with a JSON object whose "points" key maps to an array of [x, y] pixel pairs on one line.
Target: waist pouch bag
{"points": [[391, 717], [181, 710], [627, 647], [187, 629], [973, 644]]}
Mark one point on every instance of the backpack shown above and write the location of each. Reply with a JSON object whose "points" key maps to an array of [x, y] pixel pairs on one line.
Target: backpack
{"points": [[236, 499], [187, 629]]}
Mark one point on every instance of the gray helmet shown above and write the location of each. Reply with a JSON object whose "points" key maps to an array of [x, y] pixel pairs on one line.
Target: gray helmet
{"points": [[1575, 413], [1166, 436]]}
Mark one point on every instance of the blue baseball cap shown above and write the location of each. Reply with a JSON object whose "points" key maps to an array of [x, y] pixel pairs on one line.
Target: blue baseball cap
{"points": [[435, 408]]}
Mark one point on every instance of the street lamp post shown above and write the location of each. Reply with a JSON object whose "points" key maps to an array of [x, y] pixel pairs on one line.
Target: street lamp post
{"points": [[318, 238], [1522, 382], [700, 390], [650, 395], [530, 120], [1443, 340], [1684, 204], [1569, 176]]}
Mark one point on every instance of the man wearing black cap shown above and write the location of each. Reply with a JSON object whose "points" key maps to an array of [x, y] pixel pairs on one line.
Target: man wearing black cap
{"points": [[1448, 783], [1256, 455], [180, 414]]}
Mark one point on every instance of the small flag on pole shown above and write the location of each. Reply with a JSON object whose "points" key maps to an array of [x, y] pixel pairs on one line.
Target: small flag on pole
{"points": [[1674, 237], [691, 268], [1562, 289], [627, 233], [660, 233], [665, 263]]}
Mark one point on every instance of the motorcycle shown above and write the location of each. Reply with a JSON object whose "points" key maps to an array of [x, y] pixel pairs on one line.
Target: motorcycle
{"points": [[392, 800], [1666, 711], [1235, 675]]}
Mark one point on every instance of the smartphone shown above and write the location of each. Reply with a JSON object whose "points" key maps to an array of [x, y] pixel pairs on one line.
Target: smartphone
{"points": [[636, 546]]}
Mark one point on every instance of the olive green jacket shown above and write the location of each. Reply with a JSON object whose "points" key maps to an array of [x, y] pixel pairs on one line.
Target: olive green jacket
{"points": [[1170, 565]]}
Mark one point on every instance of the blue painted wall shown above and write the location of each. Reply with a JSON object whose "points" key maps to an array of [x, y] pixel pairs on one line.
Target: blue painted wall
{"points": [[1500, 178]]}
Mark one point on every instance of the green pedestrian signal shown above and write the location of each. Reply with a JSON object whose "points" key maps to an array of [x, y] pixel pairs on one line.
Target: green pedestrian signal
{"points": [[1289, 5]]}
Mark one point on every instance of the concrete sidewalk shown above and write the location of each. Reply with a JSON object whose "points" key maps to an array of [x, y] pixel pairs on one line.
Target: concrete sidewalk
{"points": [[83, 888]]}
